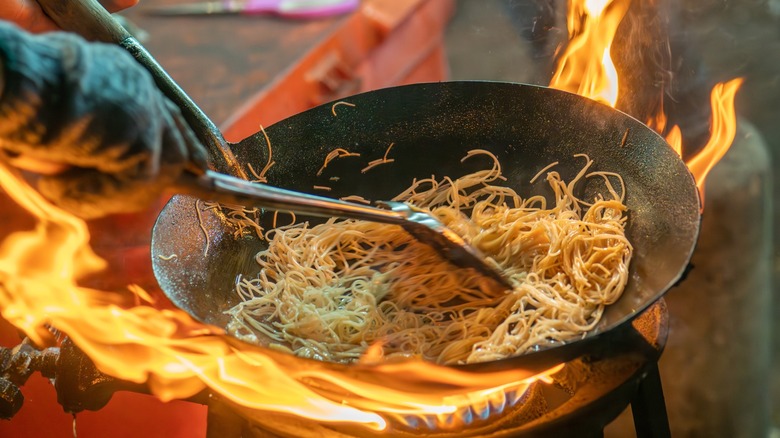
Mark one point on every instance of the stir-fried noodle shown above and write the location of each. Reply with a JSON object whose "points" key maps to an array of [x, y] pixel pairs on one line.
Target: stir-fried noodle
{"points": [[333, 290]]}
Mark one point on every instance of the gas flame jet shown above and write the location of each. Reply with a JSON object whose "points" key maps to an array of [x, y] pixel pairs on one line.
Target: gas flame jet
{"points": [[586, 68]]}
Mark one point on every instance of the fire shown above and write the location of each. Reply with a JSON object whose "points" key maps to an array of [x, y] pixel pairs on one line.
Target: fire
{"points": [[586, 68], [176, 355], [179, 357], [723, 129], [674, 138]]}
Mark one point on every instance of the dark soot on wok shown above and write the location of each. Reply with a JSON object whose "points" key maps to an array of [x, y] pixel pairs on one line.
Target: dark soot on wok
{"points": [[433, 126]]}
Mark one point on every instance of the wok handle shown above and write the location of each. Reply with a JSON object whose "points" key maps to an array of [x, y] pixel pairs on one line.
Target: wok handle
{"points": [[89, 19]]}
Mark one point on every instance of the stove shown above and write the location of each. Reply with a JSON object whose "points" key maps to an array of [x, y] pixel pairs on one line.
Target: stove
{"points": [[579, 400]]}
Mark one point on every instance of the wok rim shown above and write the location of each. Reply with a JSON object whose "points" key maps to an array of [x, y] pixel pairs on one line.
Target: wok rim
{"points": [[559, 352]]}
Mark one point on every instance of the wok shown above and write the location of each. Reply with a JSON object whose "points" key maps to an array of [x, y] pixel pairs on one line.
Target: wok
{"points": [[432, 127]]}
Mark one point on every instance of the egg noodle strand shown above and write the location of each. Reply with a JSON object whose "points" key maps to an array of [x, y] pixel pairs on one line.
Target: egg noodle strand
{"points": [[349, 290]]}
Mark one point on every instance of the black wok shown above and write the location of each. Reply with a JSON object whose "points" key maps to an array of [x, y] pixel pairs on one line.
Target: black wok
{"points": [[432, 127]]}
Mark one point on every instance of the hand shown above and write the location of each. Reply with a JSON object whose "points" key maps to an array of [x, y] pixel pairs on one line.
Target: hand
{"points": [[97, 116], [28, 15]]}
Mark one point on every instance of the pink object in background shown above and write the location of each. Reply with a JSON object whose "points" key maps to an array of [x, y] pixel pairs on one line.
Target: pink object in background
{"points": [[299, 9]]}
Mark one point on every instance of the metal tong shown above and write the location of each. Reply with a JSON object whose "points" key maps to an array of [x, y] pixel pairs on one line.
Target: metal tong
{"points": [[91, 20], [419, 223]]}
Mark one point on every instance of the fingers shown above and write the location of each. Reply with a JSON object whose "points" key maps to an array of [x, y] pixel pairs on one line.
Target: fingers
{"points": [[90, 194], [118, 5], [93, 192], [35, 165], [26, 14], [93, 109], [193, 149]]}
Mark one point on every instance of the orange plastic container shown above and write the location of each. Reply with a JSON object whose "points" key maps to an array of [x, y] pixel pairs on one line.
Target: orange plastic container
{"points": [[383, 44]]}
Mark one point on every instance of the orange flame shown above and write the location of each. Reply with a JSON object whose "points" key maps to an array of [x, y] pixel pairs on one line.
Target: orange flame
{"points": [[586, 67], [674, 138], [179, 357], [723, 129]]}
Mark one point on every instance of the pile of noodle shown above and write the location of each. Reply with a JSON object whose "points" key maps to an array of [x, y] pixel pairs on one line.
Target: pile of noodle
{"points": [[346, 289]]}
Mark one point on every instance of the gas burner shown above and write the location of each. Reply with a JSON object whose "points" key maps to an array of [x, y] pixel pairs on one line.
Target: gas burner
{"points": [[16, 366], [580, 399], [79, 384], [519, 401]]}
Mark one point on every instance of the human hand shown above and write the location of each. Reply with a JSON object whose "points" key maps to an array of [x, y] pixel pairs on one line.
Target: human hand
{"points": [[28, 15], [90, 110]]}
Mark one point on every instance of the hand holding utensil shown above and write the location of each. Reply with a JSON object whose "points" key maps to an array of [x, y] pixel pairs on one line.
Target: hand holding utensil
{"points": [[90, 17]]}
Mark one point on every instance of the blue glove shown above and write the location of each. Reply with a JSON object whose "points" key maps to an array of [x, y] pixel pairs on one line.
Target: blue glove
{"points": [[94, 109]]}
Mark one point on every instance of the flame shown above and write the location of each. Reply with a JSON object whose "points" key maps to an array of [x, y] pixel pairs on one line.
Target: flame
{"points": [[586, 66], [674, 138], [723, 129], [178, 357], [466, 409]]}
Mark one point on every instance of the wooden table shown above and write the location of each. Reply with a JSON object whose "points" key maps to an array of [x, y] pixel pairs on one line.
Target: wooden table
{"points": [[221, 60], [249, 70]]}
